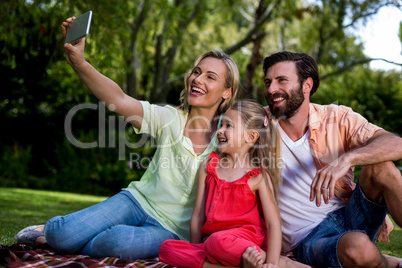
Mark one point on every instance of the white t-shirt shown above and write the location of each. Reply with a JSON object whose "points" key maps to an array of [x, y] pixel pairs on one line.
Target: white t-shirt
{"points": [[299, 215]]}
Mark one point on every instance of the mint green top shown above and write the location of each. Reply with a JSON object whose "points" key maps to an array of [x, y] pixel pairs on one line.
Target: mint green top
{"points": [[168, 187]]}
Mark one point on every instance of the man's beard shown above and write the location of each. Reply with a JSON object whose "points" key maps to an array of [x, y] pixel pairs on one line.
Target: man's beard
{"points": [[293, 102]]}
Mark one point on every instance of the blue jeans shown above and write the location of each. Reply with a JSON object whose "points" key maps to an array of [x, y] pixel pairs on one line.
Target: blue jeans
{"points": [[117, 227], [319, 248]]}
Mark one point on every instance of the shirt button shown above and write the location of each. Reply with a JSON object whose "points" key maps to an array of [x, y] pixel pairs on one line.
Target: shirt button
{"points": [[209, 221], [213, 207], [217, 194]]}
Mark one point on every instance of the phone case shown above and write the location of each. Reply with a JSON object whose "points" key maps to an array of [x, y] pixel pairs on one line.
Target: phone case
{"points": [[79, 27]]}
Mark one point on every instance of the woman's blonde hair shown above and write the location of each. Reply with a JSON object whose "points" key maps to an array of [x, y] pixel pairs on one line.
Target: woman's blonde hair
{"points": [[265, 153], [232, 80]]}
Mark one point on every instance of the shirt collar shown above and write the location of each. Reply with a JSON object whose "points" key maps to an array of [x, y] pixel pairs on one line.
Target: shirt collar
{"points": [[314, 117]]}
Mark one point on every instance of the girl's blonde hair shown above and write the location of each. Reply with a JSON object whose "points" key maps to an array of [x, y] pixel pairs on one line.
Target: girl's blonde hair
{"points": [[232, 80], [266, 150]]}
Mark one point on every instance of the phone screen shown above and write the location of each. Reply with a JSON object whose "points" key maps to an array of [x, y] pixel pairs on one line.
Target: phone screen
{"points": [[79, 27]]}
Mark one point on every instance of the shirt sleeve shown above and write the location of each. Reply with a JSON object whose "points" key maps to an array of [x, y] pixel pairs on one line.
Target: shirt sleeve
{"points": [[155, 119], [355, 129]]}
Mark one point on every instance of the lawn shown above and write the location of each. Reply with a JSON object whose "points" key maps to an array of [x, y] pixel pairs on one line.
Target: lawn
{"points": [[23, 207]]}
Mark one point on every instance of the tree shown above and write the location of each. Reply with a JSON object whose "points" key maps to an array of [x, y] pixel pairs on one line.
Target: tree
{"points": [[147, 47]]}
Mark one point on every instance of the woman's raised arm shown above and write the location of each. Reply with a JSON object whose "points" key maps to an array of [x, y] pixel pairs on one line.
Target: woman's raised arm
{"points": [[105, 89]]}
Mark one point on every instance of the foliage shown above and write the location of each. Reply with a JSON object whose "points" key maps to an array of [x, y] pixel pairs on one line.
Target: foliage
{"points": [[147, 47], [377, 95]]}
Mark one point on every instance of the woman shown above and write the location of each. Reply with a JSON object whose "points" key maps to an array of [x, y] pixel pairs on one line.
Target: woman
{"points": [[133, 223]]}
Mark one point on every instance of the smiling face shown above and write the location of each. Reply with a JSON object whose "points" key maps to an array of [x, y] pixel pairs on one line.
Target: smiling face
{"points": [[232, 135], [283, 90], [207, 84]]}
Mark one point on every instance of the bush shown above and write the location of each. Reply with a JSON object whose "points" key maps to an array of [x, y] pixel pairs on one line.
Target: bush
{"points": [[14, 166], [92, 171]]}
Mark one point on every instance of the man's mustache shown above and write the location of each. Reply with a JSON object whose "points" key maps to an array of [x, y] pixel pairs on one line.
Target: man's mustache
{"points": [[271, 97]]}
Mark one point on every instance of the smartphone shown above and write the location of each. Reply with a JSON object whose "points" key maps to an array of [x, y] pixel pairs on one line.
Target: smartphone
{"points": [[79, 27]]}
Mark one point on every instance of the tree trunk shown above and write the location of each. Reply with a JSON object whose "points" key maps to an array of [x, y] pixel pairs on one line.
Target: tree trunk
{"points": [[161, 86], [133, 64], [262, 13]]}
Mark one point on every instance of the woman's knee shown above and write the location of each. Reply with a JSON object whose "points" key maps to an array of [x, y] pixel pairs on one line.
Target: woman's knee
{"points": [[54, 231], [125, 242], [61, 236], [108, 243]]}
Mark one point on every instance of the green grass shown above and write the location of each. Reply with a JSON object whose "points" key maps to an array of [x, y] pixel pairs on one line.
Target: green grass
{"points": [[20, 208], [23, 207], [394, 248]]}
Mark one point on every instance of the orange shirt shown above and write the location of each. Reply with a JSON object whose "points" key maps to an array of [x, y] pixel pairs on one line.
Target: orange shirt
{"points": [[334, 130]]}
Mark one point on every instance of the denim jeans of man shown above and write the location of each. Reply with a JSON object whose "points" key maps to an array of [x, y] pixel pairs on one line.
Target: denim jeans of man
{"points": [[117, 227], [319, 248]]}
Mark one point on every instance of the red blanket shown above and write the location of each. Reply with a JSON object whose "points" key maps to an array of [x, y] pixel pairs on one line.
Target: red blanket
{"points": [[21, 255]]}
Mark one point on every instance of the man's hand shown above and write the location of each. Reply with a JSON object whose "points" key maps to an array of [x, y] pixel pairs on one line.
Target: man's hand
{"points": [[325, 179]]}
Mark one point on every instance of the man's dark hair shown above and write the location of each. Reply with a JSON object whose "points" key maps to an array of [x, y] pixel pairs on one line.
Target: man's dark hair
{"points": [[306, 66]]}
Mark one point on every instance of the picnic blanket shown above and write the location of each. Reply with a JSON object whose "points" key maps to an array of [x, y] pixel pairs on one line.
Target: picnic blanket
{"points": [[22, 255]]}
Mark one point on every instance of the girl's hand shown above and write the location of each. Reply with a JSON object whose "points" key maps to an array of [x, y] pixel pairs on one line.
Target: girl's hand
{"points": [[75, 50]]}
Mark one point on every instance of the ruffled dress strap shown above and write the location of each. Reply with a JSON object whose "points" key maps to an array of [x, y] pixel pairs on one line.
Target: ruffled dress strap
{"points": [[254, 172], [247, 176], [213, 160]]}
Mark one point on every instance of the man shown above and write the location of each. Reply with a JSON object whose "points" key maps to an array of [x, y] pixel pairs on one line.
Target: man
{"points": [[325, 223]]}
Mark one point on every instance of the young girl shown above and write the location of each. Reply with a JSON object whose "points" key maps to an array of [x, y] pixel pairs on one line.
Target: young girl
{"points": [[132, 224], [236, 200]]}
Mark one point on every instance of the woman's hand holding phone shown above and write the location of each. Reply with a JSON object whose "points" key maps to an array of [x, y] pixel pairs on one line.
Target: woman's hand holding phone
{"points": [[75, 50]]}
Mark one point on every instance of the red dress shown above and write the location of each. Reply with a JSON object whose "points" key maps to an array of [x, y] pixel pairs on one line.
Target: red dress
{"points": [[234, 222]]}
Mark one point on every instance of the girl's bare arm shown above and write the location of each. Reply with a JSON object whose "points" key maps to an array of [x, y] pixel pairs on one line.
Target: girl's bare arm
{"points": [[198, 216], [272, 220]]}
